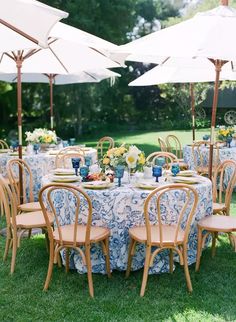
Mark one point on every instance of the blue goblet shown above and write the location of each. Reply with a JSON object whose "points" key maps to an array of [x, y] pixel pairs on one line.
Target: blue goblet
{"points": [[175, 169], [161, 161], [157, 171], [119, 173], [36, 147], [72, 141], [83, 171], [228, 141], [14, 145], [88, 161], [76, 164], [65, 143]]}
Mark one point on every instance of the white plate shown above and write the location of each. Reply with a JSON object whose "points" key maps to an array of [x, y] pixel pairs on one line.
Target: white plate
{"points": [[97, 184], [147, 184], [63, 171], [191, 180], [65, 178]]}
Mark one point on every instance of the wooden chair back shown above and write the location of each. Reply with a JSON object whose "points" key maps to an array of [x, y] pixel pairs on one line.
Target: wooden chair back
{"points": [[186, 202], [14, 167], [67, 153], [198, 156], [9, 202], [104, 144], [174, 146], [3, 145], [169, 158], [80, 199], [223, 182], [162, 144]]}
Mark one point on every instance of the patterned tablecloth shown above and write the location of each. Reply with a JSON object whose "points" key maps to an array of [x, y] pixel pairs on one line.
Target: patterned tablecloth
{"points": [[120, 208], [224, 154], [40, 164]]}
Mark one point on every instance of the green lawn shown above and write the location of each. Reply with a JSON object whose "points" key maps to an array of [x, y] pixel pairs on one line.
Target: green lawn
{"points": [[166, 298]]}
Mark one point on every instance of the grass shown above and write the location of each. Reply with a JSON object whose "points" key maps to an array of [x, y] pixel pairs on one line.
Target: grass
{"points": [[166, 298]]}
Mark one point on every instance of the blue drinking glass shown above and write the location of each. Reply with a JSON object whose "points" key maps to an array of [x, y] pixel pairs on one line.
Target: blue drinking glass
{"points": [[14, 145], [88, 161], [72, 141], [65, 143], [36, 147], [76, 164], [206, 137], [161, 161], [228, 141], [175, 169], [83, 171], [119, 173], [157, 171]]}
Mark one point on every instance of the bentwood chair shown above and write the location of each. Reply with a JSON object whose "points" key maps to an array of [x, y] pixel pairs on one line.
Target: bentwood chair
{"points": [[66, 154], [200, 164], [174, 146], [17, 223], [13, 168], [3, 145], [162, 144], [104, 144], [77, 235], [164, 236], [220, 221], [169, 158]]}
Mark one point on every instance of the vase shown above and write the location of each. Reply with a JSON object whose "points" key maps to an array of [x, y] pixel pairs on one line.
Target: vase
{"points": [[44, 147]]}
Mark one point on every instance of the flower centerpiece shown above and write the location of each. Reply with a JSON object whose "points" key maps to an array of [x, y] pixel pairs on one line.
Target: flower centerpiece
{"points": [[225, 133], [127, 155], [42, 136]]}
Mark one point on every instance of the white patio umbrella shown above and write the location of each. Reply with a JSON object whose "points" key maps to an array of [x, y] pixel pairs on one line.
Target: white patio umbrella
{"points": [[208, 34], [184, 70], [88, 76]]}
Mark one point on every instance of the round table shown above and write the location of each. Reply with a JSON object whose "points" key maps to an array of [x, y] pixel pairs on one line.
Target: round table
{"points": [[120, 208], [40, 164]]}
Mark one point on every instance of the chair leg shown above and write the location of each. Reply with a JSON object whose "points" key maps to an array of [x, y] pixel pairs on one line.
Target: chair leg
{"points": [[67, 260], [29, 233], [50, 266], [199, 249], [171, 260], [8, 244], [213, 247], [89, 270], [186, 270], [145, 271], [130, 256], [14, 250], [107, 257]]}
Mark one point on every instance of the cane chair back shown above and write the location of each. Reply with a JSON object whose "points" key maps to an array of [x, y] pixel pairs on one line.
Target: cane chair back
{"points": [[200, 158], [223, 184], [14, 167], [169, 227], [63, 156], [3, 145], [169, 158], [174, 146], [104, 144], [77, 235], [162, 144], [17, 223]]}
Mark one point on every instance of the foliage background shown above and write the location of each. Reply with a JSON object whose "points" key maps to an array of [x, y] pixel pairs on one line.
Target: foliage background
{"points": [[95, 108]]}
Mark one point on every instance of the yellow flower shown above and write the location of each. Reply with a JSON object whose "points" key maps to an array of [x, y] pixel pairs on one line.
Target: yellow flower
{"points": [[117, 153], [106, 161], [141, 159]]}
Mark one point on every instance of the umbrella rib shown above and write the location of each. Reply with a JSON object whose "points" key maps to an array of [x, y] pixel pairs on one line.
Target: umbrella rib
{"points": [[87, 73], [20, 32], [58, 59]]}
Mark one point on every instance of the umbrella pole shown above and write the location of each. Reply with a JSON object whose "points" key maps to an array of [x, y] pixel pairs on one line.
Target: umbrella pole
{"points": [[193, 109], [218, 64], [19, 61], [51, 77]]}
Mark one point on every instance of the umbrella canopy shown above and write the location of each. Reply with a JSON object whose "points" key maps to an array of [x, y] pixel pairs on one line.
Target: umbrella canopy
{"points": [[24, 22], [89, 76], [208, 34]]}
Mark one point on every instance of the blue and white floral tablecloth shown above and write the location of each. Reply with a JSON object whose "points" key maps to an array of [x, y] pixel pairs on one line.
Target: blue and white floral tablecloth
{"points": [[40, 164], [120, 208]]}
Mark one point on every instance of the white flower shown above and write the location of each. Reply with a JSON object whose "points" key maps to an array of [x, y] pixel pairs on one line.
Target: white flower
{"points": [[131, 159], [134, 150]]}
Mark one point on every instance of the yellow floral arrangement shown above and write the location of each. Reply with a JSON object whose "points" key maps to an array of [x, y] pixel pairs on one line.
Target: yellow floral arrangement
{"points": [[225, 132], [41, 136], [128, 155]]}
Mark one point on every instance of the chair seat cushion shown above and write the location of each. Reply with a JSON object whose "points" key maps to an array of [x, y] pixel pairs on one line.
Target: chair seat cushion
{"points": [[29, 207], [33, 219], [67, 231], [168, 231], [218, 223]]}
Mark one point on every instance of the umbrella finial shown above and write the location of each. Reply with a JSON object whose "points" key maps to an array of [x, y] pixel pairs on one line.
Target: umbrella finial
{"points": [[224, 2]]}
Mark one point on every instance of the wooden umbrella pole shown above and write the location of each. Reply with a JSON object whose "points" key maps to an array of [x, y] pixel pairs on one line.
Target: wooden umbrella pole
{"points": [[218, 64], [193, 109], [19, 61]]}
